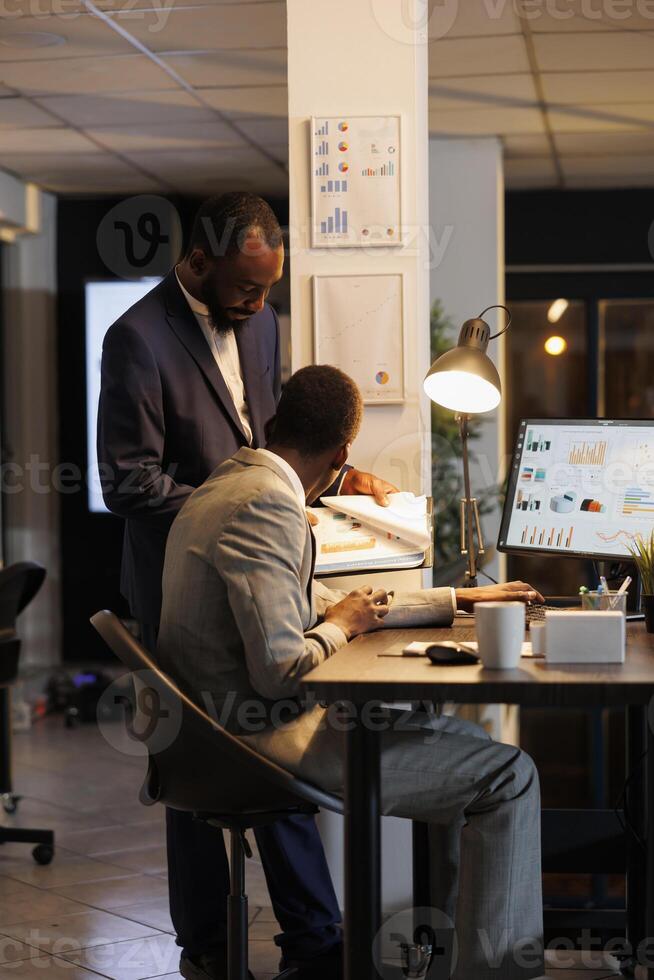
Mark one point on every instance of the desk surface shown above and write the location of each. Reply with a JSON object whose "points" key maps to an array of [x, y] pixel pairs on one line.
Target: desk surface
{"points": [[357, 673]]}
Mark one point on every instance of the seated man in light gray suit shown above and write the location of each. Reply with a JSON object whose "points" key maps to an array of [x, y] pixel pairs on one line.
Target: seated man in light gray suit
{"points": [[243, 620]]}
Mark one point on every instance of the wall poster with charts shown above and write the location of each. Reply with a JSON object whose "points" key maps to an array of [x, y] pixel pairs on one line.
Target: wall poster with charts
{"points": [[358, 327], [355, 183]]}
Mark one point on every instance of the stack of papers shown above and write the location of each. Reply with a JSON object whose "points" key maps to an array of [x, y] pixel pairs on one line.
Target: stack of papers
{"points": [[355, 533]]}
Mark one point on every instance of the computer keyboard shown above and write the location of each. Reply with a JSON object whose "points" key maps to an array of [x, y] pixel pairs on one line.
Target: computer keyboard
{"points": [[536, 613]]}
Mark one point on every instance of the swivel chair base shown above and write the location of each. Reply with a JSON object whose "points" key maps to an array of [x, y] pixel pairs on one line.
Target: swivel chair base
{"points": [[43, 853]]}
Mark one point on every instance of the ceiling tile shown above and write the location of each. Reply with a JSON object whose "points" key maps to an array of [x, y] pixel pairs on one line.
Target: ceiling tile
{"points": [[526, 146], [127, 108], [120, 74], [599, 87], [231, 68], [248, 100], [218, 26], [594, 52], [602, 118], [265, 131], [604, 143], [44, 141], [92, 171], [82, 35], [532, 168], [17, 113], [477, 56], [474, 18], [607, 181], [160, 136], [615, 165], [481, 92], [485, 122], [236, 161], [597, 16]]}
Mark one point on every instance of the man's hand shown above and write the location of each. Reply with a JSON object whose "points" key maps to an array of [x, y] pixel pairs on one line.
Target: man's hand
{"points": [[359, 612], [358, 482], [511, 592]]}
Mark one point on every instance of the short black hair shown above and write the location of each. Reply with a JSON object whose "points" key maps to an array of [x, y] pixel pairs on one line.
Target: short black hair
{"points": [[222, 224], [320, 409]]}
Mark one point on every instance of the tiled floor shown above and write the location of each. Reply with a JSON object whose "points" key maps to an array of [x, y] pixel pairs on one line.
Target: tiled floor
{"points": [[101, 907]]}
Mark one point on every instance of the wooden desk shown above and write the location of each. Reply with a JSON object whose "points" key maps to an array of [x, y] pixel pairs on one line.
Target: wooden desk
{"points": [[357, 674]]}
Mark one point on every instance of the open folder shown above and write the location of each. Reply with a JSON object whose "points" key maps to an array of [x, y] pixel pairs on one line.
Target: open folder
{"points": [[355, 533]]}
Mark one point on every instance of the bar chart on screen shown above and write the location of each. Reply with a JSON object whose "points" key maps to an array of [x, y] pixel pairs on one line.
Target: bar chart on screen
{"points": [[547, 537]]}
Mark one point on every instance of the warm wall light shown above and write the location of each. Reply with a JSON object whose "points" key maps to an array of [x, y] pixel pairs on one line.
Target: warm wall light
{"points": [[556, 345], [557, 309]]}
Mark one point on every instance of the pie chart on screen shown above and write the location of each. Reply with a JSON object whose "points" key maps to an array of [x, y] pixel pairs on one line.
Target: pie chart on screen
{"points": [[382, 378]]}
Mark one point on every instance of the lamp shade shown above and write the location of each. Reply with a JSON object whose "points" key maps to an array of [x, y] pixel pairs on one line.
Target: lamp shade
{"points": [[465, 379]]}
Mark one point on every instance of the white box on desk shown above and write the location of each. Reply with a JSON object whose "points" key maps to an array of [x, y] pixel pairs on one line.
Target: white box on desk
{"points": [[573, 637]]}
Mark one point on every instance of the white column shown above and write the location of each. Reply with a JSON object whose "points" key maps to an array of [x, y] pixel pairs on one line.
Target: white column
{"points": [[367, 58], [466, 191], [31, 514]]}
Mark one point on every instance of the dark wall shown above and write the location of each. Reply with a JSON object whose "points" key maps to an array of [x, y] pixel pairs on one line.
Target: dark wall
{"points": [[91, 543], [564, 227]]}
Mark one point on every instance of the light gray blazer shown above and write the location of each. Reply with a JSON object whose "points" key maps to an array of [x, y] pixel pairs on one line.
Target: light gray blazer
{"points": [[242, 618]]}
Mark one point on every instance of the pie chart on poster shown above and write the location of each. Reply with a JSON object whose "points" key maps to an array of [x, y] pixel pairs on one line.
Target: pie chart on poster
{"points": [[382, 378]]}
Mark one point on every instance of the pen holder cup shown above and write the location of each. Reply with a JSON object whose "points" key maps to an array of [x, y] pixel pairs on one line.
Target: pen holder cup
{"points": [[604, 601]]}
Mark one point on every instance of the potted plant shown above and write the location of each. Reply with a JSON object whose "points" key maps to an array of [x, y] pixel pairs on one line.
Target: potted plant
{"points": [[643, 552]]}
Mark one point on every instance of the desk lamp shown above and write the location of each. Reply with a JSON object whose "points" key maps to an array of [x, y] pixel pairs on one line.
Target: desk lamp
{"points": [[466, 381]]}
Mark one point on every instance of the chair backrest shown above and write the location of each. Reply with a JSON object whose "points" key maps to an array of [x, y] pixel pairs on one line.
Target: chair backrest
{"points": [[19, 584], [195, 764]]}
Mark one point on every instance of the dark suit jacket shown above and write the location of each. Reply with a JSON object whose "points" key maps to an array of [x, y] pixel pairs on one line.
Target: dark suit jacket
{"points": [[166, 420]]}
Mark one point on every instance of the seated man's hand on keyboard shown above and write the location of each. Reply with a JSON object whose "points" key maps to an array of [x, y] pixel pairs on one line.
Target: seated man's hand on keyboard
{"points": [[509, 592]]}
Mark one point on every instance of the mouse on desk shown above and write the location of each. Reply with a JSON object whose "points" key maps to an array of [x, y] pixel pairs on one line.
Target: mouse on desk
{"points": [[448, 653]]}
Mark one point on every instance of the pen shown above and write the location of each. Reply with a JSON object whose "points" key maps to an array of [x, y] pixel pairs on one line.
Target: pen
{"points": [[605, 587], [623, 588]]}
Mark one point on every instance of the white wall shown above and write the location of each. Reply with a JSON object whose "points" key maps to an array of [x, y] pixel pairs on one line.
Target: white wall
{"points": [[466, 192], [31, 516], [367, 58]]}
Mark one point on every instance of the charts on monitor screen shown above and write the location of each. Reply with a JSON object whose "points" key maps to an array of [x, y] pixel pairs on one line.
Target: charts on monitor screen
{"points": [[580, 487]]}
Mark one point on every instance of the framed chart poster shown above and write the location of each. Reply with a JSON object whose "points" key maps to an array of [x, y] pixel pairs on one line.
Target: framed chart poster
{"points": [[355, 186], [358, 327]]}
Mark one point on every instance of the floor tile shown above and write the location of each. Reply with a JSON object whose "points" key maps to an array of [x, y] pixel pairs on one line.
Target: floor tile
{"points": [[59, 935], [148, 860], [134, 960], [155, 914], [66, 869], [24, 902], [96, 843], [44, 968], [114, 893], [13, 949]]}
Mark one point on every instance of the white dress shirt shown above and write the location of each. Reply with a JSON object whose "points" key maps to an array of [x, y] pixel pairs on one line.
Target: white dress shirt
{"points": [[225, 352], [288, 470]]}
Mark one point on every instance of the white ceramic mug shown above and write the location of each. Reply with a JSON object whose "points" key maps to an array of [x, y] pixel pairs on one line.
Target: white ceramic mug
{"points": [[500, 633]]}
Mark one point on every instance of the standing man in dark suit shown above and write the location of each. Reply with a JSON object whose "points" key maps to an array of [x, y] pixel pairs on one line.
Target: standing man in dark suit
{"points": [[189, 375]]}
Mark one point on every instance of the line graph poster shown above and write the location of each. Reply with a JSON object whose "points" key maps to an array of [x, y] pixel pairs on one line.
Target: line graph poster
{"points": [[358, 327], [355, 181]]}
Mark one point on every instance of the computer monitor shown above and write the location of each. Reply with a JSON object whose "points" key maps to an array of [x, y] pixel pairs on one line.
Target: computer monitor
{"points": [[583, 488]]}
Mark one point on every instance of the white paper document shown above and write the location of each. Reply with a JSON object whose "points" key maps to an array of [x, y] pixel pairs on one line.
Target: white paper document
{"points": [[355, 533]]}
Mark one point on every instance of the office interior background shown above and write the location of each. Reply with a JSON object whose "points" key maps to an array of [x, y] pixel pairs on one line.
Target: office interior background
{"points": [[532, 129]]}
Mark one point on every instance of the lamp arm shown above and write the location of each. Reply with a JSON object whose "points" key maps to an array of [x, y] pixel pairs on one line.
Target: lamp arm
{"points": [[498, 306], [471, 575]]}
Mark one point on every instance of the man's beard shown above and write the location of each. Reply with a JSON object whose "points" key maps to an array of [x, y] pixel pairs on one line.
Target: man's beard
{"points": [[219, 319]]}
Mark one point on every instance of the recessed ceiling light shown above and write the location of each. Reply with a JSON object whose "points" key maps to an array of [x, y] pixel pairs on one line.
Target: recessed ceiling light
{"points": [[32, 39]]}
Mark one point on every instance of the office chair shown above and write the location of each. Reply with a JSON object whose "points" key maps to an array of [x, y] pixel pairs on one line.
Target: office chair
{"points": [[19, 584], [185, 747]]}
